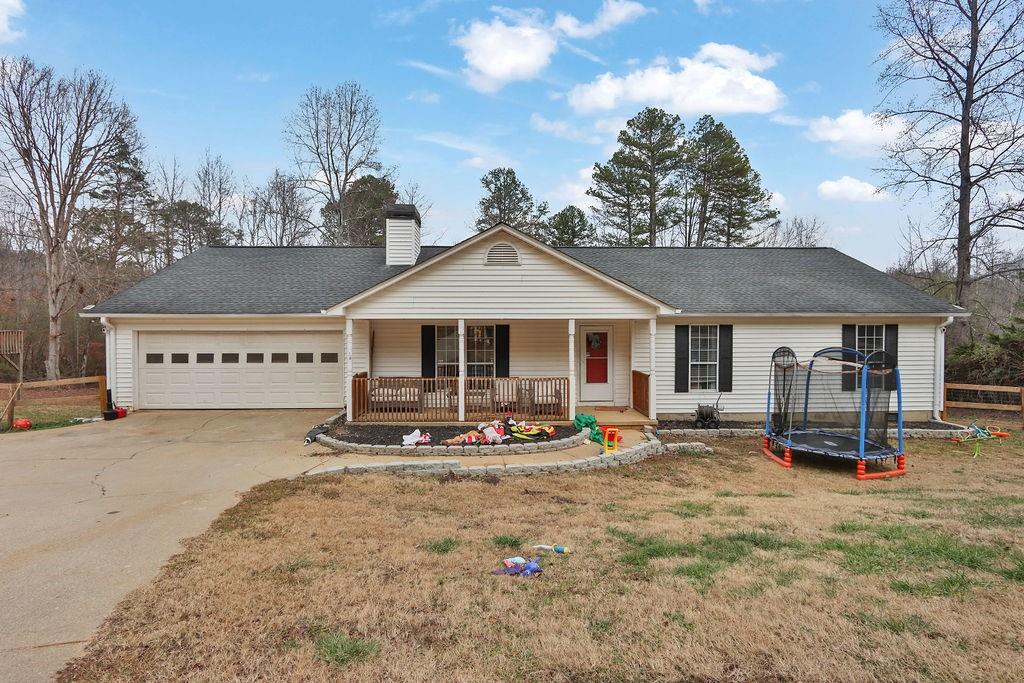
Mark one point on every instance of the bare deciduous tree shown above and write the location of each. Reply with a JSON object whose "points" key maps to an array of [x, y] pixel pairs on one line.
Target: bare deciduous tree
{"points": [[335, 137], [214, 187], [56, 135], [953, 81], [278, 213], [795, 232]]}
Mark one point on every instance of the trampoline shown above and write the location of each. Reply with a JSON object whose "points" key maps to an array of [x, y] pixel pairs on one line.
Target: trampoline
{"points": [[836, 404]]}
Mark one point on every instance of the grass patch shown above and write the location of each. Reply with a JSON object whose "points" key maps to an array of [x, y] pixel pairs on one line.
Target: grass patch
{"points": [[734, 510], [647, 548], [688, 509], [679, 619], [338, 649], [1014, 573], [701, 572], [907, 546], [849, 527], [726, 494], [296, 565], [441, 546], [897, 625], [917, 514], [508, 541], [600, 627], [774, 494], [949, 586]]}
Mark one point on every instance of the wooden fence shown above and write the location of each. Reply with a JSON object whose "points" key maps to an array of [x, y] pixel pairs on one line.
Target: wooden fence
{"points": [[13, 394], [642, 392], [979, 392]]}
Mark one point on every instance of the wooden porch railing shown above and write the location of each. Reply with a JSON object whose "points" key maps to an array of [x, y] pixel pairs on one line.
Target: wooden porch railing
{"points": [[406, 400], [978, 393], [642, 392], [526, 398]]}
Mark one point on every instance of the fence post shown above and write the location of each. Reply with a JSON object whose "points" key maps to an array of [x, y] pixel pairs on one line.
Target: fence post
{"points": [[7, 418], [103, 392], [1022, 407]]}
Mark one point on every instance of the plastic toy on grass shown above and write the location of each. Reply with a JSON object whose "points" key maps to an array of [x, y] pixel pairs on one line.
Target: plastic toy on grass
{"points": [[21, 423], [560, 549], [976, 434], [611, 439]]}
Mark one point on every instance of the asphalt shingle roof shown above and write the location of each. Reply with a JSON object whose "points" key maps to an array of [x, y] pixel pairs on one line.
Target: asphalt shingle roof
{"points": [[269, 280]]}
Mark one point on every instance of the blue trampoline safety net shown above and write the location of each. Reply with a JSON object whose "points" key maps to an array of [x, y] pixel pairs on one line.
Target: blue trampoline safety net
{"points": [[836, 404]]}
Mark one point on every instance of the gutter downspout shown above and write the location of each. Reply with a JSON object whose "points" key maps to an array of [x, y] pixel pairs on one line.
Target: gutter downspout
{"points": [[110, 334], [939, 398]]}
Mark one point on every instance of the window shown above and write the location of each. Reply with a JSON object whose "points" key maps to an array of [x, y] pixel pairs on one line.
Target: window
{"points": [[229, 358], [502, 254], [154, 358], [204, 357], [479, 351], [704, 357], [870, 338], [179, 357], [328, 358], [254, 358], [304, 358], [279, 358]]}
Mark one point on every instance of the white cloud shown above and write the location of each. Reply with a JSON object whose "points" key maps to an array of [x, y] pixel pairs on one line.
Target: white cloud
{"points": [[10, 9], [719, 79], [854, 133], [848, 189], [613, 13], [498, 53], [423, 97], [703, 6], [788, 120], [574, 190], [255, 76], [564, 130], [517, 45], [432, 69], [481, 155], [778, 201], [403, 16]]}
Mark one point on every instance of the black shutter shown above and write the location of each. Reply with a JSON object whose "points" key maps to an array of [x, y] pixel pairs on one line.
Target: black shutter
{"points": [[501, 339], [725, 357], [428, 357], [849, 374], [892, 347], [682, 358]]}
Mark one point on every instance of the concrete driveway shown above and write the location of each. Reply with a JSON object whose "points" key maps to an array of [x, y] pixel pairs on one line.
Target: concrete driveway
{"points": [[88, 513]]}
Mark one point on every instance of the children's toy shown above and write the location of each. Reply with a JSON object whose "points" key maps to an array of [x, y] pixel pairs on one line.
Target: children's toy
{"points": [[835, 404], [977, 435], [611, 439], [560, 549], [708, 416], [416, 438], [519, 566], [21, 423]]}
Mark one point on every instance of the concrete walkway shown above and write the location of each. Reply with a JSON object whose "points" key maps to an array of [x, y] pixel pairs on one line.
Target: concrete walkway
{"points": [[88, 513]]}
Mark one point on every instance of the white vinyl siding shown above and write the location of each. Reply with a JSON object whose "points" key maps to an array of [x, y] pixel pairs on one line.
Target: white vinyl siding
{"points": [[464, 286], [402, 241], [124, 352], [753, 344]]}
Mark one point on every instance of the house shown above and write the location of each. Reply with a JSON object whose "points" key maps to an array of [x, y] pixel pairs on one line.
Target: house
{"points": [[499, 322]]}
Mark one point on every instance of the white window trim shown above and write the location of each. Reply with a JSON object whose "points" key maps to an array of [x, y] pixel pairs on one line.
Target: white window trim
{"points": [[717, 361], [858, 336]]}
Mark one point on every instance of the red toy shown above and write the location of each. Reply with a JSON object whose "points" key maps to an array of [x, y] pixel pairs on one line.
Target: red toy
{"points": [[121, 412], [21, 423]]}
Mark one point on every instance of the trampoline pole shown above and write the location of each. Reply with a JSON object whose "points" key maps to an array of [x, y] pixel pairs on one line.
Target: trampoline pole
{"points": [[863, 407], [768, 410], [807, 391], [899, 410]]}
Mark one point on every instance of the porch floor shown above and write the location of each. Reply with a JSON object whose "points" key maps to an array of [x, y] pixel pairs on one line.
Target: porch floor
{"points": [[617, 417]]}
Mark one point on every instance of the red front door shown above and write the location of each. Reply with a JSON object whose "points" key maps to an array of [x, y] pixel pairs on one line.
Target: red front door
{"points": [[596, 357]]}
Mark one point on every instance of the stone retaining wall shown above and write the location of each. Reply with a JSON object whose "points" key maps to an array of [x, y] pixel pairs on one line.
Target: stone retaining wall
{"points": [[441, 450], [623, 456]]}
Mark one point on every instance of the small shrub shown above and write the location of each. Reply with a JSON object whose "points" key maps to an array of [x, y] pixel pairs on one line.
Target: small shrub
{"points": [[442, 546], [337, 649]]}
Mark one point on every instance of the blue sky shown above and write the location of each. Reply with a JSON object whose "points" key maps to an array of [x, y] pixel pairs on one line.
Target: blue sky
{"points": [[464, 86]]}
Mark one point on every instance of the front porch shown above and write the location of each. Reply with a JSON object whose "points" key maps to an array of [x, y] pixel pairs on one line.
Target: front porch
{"points": [[445, 371]]}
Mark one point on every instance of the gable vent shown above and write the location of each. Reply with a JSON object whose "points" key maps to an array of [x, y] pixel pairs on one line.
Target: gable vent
{"points": [[502, 254]]}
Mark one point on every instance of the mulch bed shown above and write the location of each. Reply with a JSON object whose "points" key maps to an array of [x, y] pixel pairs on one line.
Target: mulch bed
{"points": [[391, 435], [731, 424]]}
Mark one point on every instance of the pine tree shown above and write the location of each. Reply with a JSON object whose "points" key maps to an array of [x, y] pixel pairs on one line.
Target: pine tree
{"points": [[365, 200], [507, 200], [652, 146], [570, 227], [617, 188], [727, 203]]}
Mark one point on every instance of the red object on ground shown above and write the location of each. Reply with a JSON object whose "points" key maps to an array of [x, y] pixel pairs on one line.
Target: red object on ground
{"points": [[121, 412], [604, 433], [21, 423]]}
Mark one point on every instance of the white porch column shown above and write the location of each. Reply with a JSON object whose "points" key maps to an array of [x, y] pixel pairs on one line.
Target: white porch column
{"points": [[349, 409], [462, 370], [572, 369], [652, 383]]}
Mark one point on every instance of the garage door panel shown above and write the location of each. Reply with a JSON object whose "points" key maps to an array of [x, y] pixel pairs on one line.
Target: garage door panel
{"points": [[238, 382]]}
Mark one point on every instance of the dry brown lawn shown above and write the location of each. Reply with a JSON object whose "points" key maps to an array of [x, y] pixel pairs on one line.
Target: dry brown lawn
{"points": [[722, 567]]}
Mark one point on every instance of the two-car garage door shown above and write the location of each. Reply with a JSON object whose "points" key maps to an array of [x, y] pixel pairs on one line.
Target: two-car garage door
{"points": [[240, 369]]}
